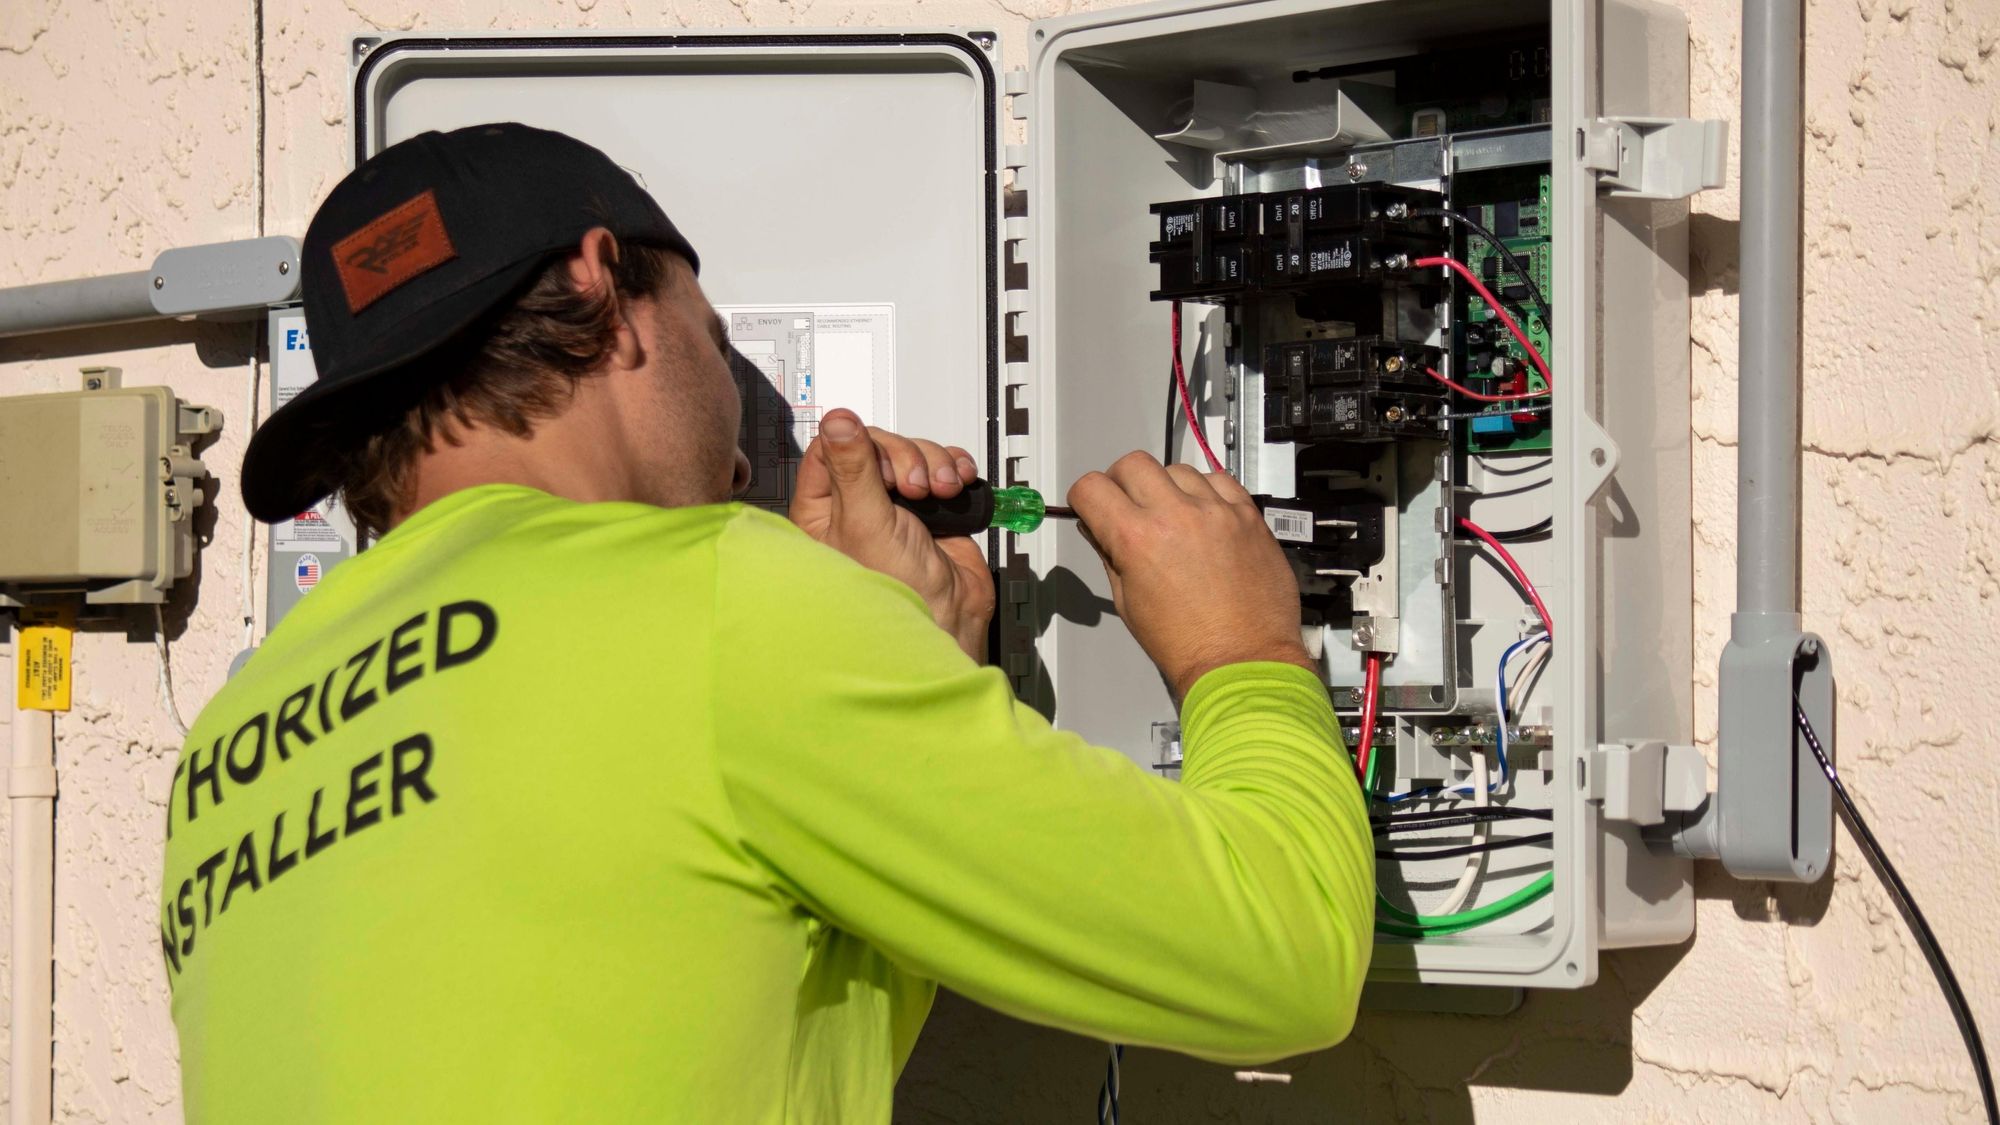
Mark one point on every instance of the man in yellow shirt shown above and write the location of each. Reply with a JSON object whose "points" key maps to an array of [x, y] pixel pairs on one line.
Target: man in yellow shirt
{"points": [[587, 795]]}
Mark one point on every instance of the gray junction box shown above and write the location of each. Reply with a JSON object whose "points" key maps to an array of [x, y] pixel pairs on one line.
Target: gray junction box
{"points": [[849, 194]]}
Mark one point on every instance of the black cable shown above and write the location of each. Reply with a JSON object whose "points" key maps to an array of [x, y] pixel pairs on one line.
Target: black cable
{"points": [[1921, 929], [1512, 259], [1107, 1094], [1465, 849], [1540, 529], [1457, 818], [1173, 417]]}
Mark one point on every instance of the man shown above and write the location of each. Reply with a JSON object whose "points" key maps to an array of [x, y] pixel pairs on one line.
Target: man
{"points": [[585, 795]]}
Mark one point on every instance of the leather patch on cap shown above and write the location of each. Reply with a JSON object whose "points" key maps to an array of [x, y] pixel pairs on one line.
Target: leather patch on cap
{"points": [[402, 243]]}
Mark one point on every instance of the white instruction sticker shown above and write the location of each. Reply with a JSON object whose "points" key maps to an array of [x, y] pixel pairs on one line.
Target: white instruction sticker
{"points": [[1290, 524], [811, 359]]}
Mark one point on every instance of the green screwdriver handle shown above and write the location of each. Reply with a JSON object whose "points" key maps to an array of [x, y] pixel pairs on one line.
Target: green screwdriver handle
{"points": [[978, 507]]}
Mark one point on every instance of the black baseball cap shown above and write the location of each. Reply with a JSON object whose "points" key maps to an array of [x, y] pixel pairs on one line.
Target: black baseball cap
{"points": [[411, 251]]}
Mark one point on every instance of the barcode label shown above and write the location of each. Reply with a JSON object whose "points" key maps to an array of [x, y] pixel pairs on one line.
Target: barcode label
{"points": [[1290, 524]]}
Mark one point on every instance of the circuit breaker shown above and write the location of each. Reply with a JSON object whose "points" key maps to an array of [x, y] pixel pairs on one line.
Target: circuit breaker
{"points": [[98, 490], [1474, 446]]}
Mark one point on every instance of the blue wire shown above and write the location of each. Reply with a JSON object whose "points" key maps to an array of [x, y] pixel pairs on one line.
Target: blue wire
{"points": [[1500, 695]]}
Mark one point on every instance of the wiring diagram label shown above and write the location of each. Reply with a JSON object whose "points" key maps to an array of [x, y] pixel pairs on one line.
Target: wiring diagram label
{"points": [[795, 362]]}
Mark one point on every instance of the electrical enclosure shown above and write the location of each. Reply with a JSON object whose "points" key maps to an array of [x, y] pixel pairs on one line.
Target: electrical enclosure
{"points": [[825, 173], [101, 485]]}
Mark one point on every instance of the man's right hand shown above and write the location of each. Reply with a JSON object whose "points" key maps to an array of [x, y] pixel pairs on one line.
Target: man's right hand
{"points": [[1195, 573]]}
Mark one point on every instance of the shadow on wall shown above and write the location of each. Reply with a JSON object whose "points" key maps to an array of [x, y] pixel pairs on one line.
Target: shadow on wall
{"points": [[974, 1066]]}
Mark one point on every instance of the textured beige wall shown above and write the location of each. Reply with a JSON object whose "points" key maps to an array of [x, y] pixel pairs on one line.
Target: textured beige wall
{"points": [[129, 127]]}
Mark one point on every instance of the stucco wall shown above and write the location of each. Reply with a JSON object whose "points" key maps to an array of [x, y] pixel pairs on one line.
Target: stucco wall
{"points": [[133, 126]]}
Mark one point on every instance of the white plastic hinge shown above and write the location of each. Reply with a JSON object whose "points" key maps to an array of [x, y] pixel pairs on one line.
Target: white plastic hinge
{"points": [[1655, 157], [1016, 82], [1016, 228], [1685, 786], [1017, 374], [1018, 447], [1017, 302], [1016, 156], [1629, 781]]}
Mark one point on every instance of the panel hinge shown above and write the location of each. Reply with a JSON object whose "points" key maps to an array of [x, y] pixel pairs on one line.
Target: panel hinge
{"points": [[1641, 782], [1655, 157]]}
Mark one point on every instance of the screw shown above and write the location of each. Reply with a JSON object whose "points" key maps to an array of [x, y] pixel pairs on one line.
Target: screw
{"points": [[1364, 635], [93, 384], [159, 282], [1356, 171], [1809, 646], [1395, 414], [1392, 364], [1398, 210], [984, 40], [284, 268], [1396, 262]]}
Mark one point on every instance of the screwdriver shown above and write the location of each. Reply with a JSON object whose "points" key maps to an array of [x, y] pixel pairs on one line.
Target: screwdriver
{"points": [[980, 506]]}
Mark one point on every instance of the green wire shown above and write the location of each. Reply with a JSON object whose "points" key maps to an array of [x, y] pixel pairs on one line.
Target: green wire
{"points": [[1431, 925], [1406, 924]]}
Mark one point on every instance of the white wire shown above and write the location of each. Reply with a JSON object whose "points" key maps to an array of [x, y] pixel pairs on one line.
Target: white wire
{"points": [[167, 703], [1475, 863], [250, 412]]}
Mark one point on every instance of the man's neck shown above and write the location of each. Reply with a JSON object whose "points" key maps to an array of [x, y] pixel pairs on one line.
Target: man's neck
{"points": [[569, 456]]}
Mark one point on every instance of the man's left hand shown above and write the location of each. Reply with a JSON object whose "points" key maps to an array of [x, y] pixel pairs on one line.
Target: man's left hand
{"points": [[842, 500]]}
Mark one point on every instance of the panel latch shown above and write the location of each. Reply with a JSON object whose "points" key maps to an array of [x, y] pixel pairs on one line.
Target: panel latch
{"points": [[1655, 157]]}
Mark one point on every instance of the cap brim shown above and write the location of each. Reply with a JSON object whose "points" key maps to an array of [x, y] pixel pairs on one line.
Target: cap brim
{"points": [[286, 468]]}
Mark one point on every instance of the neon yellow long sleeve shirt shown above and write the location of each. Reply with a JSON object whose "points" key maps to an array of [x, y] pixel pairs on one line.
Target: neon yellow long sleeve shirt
{"points": [[543, 811]]}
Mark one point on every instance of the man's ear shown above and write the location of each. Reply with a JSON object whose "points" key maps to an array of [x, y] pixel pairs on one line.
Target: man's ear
{"points": [[590, 269]]}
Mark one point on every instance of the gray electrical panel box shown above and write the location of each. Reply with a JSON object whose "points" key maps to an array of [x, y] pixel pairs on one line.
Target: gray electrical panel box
{"points": [[98, 490], [875, 242]]}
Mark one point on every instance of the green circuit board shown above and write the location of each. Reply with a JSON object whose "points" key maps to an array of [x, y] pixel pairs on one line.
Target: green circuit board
{"points": [[1517, 207]]}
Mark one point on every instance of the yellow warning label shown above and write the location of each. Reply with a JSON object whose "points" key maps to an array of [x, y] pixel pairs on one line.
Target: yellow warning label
{"points": [[43, 658]]}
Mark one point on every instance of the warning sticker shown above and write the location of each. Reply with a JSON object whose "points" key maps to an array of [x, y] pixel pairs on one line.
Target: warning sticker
{"points": [[43, 659], [319, 528]]}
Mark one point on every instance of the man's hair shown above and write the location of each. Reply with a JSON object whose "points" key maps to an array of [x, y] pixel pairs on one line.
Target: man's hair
{"points": [[509, 371]]}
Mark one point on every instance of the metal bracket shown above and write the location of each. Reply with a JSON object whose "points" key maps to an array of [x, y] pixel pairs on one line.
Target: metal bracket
{"points": [[1655, 157]]}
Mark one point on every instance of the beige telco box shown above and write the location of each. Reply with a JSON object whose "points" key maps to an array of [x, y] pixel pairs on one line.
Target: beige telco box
{"points": [[98, 490], [892, 220]]}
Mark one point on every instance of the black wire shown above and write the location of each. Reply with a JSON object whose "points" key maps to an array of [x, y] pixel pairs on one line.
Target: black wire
{"points": [[1464, 849], [1905, 902], [1107, 1094], [1173, 416], [1512, 259], [1456, 818], [1540, 529]]}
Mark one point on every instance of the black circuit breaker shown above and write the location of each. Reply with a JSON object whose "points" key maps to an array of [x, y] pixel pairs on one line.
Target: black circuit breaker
{"points": [[1355, 388], [1218, 250], [1335, 532]]}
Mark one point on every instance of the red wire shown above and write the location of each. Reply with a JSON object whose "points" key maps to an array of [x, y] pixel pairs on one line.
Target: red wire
{"points": [[1187, 401], [1520, 576], [1500, 311], [1371, 690], [1475, 395]]}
